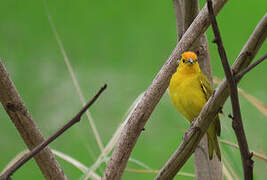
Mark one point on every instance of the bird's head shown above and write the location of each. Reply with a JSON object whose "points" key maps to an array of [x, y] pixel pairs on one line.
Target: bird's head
{"points": [[188, 63]]}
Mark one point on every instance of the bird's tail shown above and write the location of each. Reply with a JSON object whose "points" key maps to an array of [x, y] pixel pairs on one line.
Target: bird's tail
{"points": [[213, 144]]}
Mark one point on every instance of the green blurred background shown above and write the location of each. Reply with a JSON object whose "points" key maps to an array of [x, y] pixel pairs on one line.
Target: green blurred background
{"points": [[124, 44]]}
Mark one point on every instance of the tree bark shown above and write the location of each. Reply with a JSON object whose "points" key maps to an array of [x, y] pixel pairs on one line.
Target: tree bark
{"points": [[27, 128]]}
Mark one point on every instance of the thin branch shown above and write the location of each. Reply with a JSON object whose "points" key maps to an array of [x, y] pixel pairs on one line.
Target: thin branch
{"points": [[142, 112], [25, 125], [41, 146], [237, 123], [72, 75], [251, 66], [213, 106]]}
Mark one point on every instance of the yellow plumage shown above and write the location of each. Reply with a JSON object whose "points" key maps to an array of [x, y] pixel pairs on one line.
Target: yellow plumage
{"points": [[189, 90]]}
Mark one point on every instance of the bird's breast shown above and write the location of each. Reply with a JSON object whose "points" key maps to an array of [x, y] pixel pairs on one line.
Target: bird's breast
{"points": [[187, 95]]}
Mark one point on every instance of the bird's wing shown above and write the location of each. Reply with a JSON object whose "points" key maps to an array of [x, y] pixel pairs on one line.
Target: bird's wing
{"points": [[207, 90], [205, 86]]}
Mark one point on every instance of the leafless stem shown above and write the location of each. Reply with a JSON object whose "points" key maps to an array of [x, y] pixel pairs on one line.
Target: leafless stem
{"points": [[213, 105], [142, 112], [41, 146], [237, 120], [27, 128], [251, 66], [179, 12]]}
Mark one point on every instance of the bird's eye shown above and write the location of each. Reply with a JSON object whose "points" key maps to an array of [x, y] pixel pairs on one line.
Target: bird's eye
{"points": [[183, 61]]}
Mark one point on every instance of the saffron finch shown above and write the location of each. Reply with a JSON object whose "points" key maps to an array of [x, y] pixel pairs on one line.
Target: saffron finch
{"points": [[189, 91]]}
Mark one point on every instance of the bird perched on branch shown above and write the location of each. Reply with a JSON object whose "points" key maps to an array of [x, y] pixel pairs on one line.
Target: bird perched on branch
{"points": [[189, 91]]}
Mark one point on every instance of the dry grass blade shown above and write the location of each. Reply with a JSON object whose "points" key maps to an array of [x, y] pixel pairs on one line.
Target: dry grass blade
{"points": [[139, 163], [71, 160], [61, 155], [76, 163], [73, 77], [14, 160], [227, 173], [227, 165], [112, 142], [146, 171], [257, 103], [259, 156]]}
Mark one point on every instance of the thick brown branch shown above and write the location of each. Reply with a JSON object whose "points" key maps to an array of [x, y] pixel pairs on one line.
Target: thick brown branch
{"points": [[213, 105], [27, 128], [41, 146], [140, 115], [247, 162]]}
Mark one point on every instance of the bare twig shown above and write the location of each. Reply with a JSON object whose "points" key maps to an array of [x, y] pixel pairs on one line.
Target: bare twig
{"points": [[213, 106], [251, 66], [27, 128], [72, 75], [41, 146], [142, 112], [237, 120]]}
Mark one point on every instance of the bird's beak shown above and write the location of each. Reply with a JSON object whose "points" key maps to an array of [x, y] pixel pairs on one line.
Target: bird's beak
{"points": [[191, 61]]}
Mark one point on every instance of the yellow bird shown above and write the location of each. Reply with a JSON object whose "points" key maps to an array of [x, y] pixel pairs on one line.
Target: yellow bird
{"points": [[189, 91]]}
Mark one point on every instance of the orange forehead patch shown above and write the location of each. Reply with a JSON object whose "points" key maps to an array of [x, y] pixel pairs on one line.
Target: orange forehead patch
{"points": [[188, 55]]}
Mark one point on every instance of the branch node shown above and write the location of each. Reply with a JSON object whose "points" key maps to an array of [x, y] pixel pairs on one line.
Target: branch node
{"points": [[230, 116], [185, 136], [12, 107], [221, 110], [215, 40], [251, 155], [213, 93], [197, 129]]}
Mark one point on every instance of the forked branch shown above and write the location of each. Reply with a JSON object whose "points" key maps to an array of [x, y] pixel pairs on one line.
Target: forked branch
{"points": [[41, 146]]}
